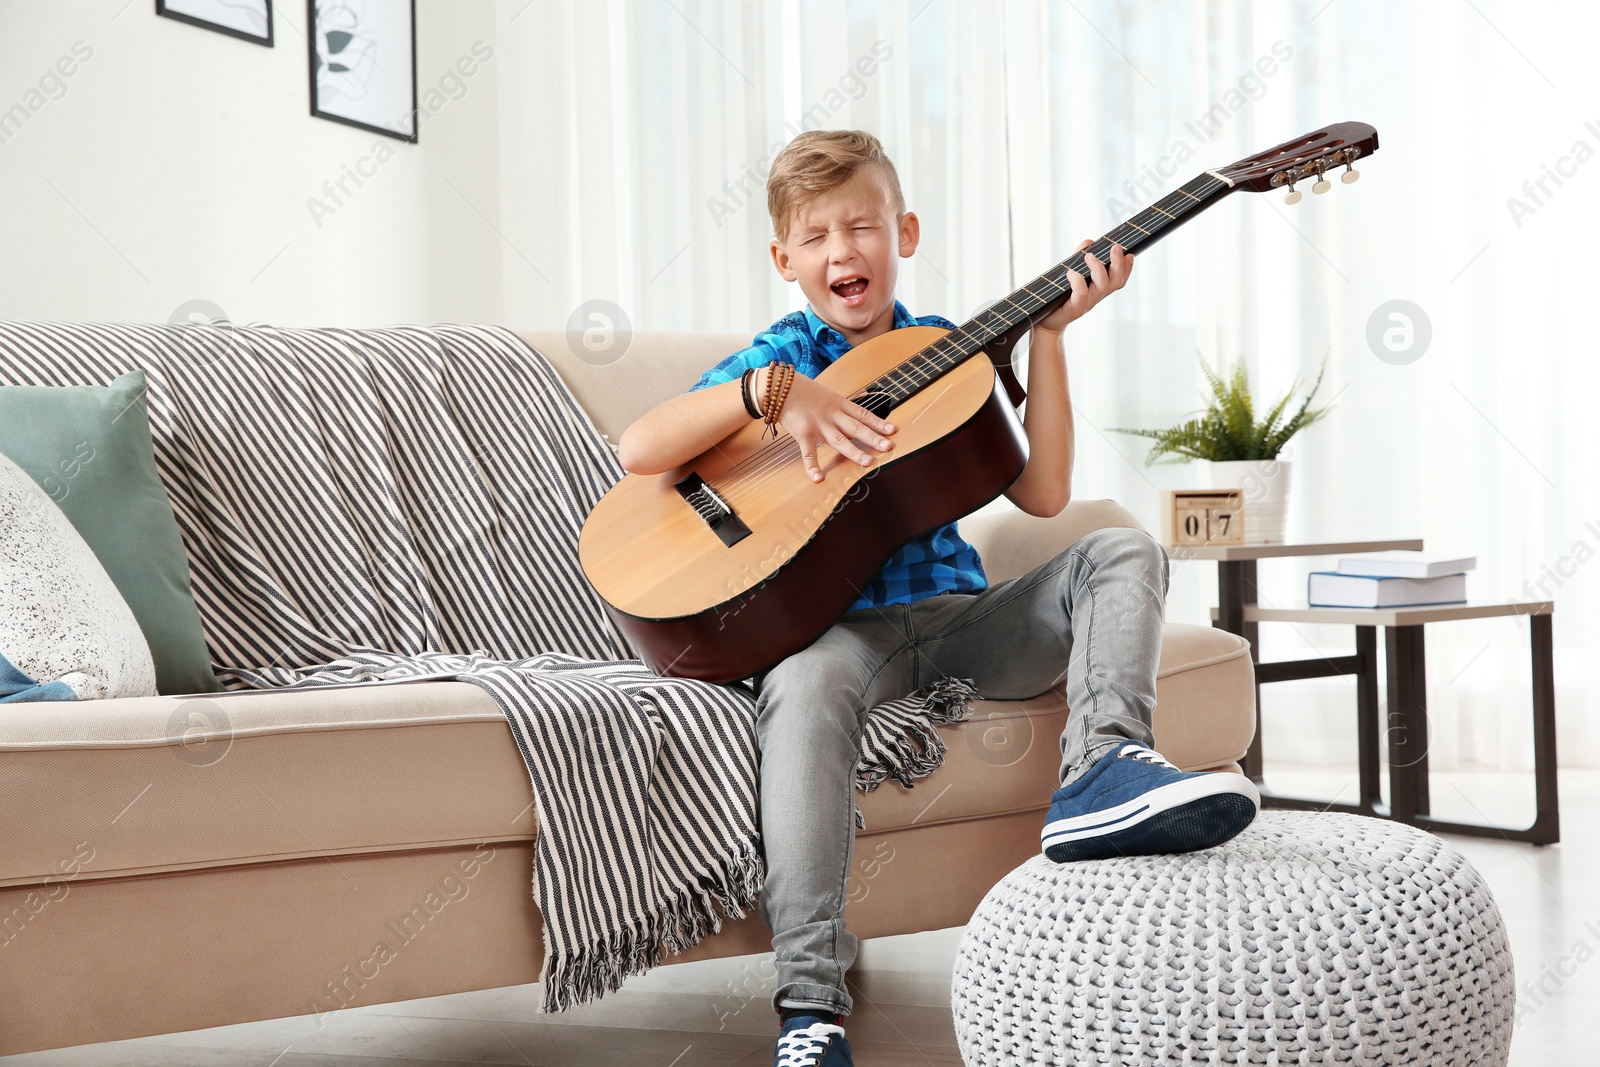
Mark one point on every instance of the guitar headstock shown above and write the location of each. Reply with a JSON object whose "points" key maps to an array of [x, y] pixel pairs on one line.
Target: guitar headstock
{"points": [[1332, 146]]}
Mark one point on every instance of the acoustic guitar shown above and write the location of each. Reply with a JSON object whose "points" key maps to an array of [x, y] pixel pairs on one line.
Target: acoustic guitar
{"points": [[724, 566]]}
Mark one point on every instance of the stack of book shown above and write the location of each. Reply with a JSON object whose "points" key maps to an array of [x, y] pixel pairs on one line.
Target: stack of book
{"points": [[1391, 580]]}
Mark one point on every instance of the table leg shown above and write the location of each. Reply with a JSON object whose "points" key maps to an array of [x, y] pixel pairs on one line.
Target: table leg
{"points": [[1546, 827], [1421, 730], [1407, 725], [1367, 731], [1236, 590]]}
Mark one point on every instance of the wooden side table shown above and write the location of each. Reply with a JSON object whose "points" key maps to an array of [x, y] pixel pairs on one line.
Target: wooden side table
{"points": [[1407, 732]]}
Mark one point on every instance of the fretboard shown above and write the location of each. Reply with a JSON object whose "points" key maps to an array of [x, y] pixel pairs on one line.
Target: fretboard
{"points": [[999, 325]]}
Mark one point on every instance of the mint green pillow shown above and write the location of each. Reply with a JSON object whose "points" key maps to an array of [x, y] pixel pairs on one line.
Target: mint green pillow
{"points": [[89, 448]]}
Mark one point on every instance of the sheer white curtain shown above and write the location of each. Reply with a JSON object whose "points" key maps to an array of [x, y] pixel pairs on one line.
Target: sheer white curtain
{"points": [[636, 136]]}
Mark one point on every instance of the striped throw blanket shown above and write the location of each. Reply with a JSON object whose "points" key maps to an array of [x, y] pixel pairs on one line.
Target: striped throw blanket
{"points": [[364, 505]]}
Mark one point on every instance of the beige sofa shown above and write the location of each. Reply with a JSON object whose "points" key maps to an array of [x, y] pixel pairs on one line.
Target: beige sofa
{"points": [[175, 863]]}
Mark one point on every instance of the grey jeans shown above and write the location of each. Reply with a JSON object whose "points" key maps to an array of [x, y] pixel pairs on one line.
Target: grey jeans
{"points": [[1091, 615]]}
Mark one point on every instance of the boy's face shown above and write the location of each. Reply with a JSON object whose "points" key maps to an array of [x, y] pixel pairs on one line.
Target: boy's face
{"points": [[844, 248]]}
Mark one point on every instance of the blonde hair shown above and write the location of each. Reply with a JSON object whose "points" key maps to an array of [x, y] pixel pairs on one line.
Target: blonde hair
{"points": [[819, 161]]}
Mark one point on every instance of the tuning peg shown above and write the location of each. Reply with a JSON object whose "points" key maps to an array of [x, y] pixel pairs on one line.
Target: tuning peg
{"points": [[1350, 174], [1322, 185], [1294, 195]]}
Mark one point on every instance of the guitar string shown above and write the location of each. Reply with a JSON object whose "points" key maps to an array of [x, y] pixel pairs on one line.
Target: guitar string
{"points": [[764, 464]]}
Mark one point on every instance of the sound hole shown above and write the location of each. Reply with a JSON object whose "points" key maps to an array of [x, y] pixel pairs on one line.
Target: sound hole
{"points": [[877, 401]]}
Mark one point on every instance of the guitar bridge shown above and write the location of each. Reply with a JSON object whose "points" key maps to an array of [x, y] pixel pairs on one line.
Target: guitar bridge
{"points": [[714, 511]]}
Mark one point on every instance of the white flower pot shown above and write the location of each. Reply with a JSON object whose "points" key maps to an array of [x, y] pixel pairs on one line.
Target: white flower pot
{"points": [[1265, 483]]}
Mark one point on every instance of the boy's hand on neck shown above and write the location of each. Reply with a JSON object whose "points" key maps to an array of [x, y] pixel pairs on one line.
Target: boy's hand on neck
{"points": [[1102, 282], [1045, 484]]}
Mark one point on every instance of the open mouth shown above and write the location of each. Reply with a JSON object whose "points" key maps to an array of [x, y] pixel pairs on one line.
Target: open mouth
{"points": [[852, 292]]}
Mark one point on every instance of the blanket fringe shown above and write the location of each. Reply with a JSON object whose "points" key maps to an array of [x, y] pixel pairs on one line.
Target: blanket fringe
{"points": [[601, 967], [949, 699], [919, 751]]}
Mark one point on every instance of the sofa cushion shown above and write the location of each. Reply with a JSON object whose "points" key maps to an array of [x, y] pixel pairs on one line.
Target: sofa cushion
{"points": [[635, 375], [1012, 542], [177, 783], [65, 631], [163, 783], [90, 448]]}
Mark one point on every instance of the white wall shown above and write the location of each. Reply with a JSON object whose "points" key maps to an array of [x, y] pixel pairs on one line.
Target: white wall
{"points": [[176, 164]]}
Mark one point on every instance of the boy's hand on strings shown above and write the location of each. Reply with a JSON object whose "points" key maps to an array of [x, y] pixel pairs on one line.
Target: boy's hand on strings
{"points": [[816, 415], [1102, 282]]}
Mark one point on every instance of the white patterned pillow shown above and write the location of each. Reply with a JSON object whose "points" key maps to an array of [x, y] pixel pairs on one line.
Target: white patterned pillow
{"points": [[66, 633]]}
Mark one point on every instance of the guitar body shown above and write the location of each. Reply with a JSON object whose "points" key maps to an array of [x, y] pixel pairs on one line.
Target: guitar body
{"points": [[694, 606]]}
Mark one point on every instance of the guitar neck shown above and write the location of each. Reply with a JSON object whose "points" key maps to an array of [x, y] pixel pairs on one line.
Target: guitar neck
{"points": [[999, 326]]}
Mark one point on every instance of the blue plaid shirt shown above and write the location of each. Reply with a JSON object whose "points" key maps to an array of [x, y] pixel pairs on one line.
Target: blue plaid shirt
{"points": [[939, 561]]}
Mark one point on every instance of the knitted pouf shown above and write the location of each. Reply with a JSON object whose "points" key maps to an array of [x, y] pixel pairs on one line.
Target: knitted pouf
{"points": [[1310, 938]]}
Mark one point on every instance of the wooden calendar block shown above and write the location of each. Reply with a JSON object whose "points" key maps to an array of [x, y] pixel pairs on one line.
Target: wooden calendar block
{"points": [[1197, 517]]}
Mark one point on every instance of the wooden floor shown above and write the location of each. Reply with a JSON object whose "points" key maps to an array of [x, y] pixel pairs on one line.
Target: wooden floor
{"points": [[717, 1012]]}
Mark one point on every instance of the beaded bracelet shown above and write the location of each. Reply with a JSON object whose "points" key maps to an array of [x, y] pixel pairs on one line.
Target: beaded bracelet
{"points": [[771, 392], [778, 384], [744, 394], [783, 395]]}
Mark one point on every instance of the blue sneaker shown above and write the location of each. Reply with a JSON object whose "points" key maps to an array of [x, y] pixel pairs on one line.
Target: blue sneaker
{"points": [[1134, 802], [808, 1041]]}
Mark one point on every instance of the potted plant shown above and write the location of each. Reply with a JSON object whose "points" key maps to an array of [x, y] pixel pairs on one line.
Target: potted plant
{"points": [[1243, 451]]}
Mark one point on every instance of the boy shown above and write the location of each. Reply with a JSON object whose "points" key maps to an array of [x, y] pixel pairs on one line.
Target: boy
{"points": [[1092, 615]]}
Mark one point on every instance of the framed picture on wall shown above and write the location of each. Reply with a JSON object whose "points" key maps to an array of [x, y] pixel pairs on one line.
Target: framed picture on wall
{"points": [[250, 20], [364, 64]]}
